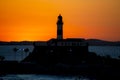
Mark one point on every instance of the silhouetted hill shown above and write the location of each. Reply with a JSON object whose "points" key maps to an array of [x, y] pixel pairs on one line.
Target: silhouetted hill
{"points": [[16, 43], [91, 42], [97, 42]]}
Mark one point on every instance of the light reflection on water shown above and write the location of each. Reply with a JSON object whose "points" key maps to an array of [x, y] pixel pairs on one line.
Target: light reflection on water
{"points": [[41, 77], [9, 54]]}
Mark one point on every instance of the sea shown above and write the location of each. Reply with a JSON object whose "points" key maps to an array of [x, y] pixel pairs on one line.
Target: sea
{"points": [[8, 52], [42, 77]]}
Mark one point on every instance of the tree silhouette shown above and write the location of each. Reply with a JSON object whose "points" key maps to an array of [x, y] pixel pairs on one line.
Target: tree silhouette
{"points": [[119, 57], [108, 56], [2, 58], [15, 50], [26, 50]]}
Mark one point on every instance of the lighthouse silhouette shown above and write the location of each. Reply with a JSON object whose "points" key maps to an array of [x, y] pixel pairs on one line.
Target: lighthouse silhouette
{"points": [[59, 28]]}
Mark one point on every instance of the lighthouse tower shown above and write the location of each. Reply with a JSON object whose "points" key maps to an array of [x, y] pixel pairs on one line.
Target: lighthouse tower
{"points": [[59, 28]]}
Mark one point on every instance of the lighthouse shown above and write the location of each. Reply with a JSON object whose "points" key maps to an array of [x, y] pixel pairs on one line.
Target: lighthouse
{"points": [[59, 28]]}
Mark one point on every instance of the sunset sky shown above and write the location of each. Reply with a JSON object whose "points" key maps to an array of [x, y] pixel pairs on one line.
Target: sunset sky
{"points": [[34, 20]]}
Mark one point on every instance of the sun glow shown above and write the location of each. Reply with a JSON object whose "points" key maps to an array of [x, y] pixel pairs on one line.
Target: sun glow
{"points": [[34, 20]]}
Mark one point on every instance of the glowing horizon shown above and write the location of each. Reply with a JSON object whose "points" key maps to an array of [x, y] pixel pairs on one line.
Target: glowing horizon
{"points": [[35, 20]]}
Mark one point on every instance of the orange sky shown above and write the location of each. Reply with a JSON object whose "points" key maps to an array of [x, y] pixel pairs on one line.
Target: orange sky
{"points": [[36, 19]]}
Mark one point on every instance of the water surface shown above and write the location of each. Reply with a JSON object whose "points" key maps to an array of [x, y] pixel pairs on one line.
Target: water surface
{"points": [[9, 54]]}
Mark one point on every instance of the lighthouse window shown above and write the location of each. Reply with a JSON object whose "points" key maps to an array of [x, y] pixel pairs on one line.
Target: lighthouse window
{"points": [[63, 43], [73, 43], [59, 44], [67, 44]]}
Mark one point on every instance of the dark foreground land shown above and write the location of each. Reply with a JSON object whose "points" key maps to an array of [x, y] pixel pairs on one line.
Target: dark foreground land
{"points": [[96, 71], [89, 65]]}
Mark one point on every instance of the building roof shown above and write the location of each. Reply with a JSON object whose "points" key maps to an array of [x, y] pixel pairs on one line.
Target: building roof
{"points": [[67, 40]]}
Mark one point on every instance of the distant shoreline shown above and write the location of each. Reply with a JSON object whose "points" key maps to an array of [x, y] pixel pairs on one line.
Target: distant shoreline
{"points": [[91, 42], [31, 44]]}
